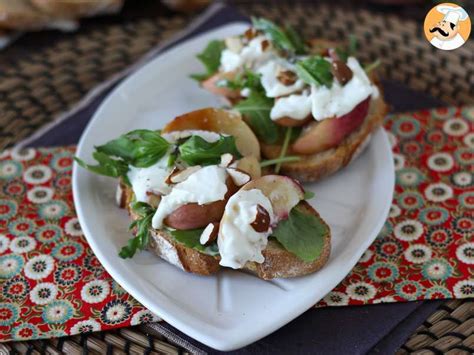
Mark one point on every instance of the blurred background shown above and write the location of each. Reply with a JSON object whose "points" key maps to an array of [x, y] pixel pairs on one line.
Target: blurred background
{"points": [[53, 52]]}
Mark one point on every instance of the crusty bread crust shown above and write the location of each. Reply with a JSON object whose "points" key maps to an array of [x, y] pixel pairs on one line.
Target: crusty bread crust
{"points": [[317, 166], [279, 263]]}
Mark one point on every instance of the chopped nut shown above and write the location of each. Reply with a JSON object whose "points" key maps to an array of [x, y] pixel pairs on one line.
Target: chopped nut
{"points": [[181, 175], [265, 44], [250, 34], [287, 77], [239, 177], [341, 71], [262, 220], [209, 234], [226, 160]]}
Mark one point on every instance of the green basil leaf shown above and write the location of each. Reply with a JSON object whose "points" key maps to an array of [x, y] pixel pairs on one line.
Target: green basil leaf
{"points": [[256, 109], [210, 58], [302, 234], [198, 151], [315, 70], [142, 236], [141, 148], [106, 166], [190, 239]]}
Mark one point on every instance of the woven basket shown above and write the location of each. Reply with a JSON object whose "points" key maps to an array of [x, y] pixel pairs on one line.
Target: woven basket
{"points": [[37, 87]]}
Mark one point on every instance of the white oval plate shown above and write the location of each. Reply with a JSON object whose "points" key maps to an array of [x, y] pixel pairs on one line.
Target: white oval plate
{"points": [[231, 309]]}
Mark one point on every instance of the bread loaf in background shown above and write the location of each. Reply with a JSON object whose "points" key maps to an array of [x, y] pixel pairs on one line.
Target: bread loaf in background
{"points": [[31, 15]]}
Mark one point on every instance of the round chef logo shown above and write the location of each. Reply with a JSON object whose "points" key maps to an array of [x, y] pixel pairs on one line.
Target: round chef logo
{"points": [[447, 26]]}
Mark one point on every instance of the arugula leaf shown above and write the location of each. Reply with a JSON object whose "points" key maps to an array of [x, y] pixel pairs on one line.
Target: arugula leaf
{"points": [[287, 159], [190, 239], [344, 53], [247, 79], [302, 234], [287, 40], [368, 68], [296, 39], [308, 195], [198, 151], [211, 58], [142, 225], [141, 148], [315, 70], [256, 108], [284, 149], [106, 165]]}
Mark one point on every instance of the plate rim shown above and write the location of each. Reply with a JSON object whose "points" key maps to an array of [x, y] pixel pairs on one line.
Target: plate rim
{"points": [[227, 340]]}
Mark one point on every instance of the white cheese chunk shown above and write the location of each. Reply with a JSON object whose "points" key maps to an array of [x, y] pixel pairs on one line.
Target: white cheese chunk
{"points": [[238, 242], [339, 100], [204, 186], [151, 179], [269, 79]]}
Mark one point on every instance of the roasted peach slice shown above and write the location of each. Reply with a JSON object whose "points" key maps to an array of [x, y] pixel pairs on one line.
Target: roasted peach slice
{"points": [[328, 133]]}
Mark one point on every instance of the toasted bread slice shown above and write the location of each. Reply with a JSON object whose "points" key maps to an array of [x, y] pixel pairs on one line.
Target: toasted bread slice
{"points": [[316, 166], [279, 263], [71, 9]]}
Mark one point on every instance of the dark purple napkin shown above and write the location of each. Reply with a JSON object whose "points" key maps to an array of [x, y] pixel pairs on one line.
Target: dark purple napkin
{"points": [[331, 330]]}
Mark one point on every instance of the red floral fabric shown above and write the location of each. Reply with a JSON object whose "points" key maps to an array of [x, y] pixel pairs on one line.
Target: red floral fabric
{"points": [[51, 284]]}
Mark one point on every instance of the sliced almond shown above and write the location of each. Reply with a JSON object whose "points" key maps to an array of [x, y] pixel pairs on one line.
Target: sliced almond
{"points": [[173, 172], [153, 199], [234, 44], [182, 175], [262, 220], [209, 234], [226, 160], [287, 77], [238, 176]]}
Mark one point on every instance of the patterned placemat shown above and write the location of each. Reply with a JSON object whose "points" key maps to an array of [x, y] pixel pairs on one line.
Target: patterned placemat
{"points": [[36, 88], [53, 285]]}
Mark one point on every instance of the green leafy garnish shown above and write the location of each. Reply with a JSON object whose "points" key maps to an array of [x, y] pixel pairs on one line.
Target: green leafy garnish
{"points": [[141, 148], [197, 151], [284, 149], [190, 239], [302, 234], [287, 40], [315, 70], [210, 57], [350, 50], [256, 108], [296, 39], [308, 195], [247, 79], [369, 67], [142, 226], [287, 159], [106, 165]]}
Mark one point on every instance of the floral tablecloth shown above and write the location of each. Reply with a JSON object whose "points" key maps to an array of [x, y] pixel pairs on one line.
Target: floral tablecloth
{"points": [[53, 285]]}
